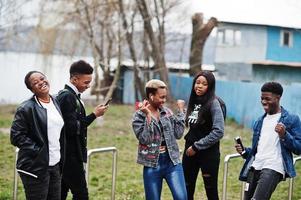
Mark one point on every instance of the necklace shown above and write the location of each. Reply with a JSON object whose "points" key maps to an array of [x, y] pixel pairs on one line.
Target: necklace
{"points": [[44, 101]]}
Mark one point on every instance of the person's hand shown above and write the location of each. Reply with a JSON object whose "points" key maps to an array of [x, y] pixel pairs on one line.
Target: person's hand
{"points": [[181, 104], [238, 148], [190, 152], [100, 110], [280, 129], [144, 107]]}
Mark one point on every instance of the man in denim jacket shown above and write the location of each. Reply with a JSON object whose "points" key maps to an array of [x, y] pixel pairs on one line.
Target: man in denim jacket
{"points": [[277, 134]]}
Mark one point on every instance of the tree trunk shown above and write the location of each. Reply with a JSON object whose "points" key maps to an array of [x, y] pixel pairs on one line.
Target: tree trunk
{"points": [[146, 55], [157, 55], [138, 83], [200, 33]]}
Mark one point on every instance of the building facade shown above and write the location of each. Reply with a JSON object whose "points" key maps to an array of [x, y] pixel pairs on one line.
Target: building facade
{"points": [[251, 52]]}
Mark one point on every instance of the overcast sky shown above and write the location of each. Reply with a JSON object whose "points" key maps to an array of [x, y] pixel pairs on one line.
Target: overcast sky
{"points": [[273, 12], [286, 13]]}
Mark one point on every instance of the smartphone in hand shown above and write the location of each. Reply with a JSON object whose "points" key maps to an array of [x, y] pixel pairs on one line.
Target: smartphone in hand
{"points": [[108, 102], [238, 141]]}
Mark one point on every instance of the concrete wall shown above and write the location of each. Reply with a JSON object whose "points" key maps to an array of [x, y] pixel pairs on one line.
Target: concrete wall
{"points": [[14, 67]]}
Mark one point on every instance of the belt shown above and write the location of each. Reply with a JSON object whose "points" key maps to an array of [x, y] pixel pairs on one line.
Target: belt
{"points": [[162, 149]]}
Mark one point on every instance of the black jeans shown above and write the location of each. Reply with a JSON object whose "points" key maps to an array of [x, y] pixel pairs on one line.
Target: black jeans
{"points": [[47, 187], [209, 164], [74, 179], [261, 184]]}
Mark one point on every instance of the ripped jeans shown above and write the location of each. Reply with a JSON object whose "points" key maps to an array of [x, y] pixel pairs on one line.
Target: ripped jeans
{"points": [[208, 161], [261, 184]]}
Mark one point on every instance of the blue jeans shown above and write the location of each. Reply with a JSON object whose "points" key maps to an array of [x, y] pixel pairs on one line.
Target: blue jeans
{"points": [[173, 174], [261, 184]]}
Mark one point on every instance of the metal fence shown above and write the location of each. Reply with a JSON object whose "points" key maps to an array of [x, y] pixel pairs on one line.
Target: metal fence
{"points": [[114, 165], [90, 153], [225, 179], [114, 172], [291, 181], [15, 187]]}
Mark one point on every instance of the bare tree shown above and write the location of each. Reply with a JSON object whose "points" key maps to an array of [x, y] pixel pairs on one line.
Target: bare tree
{"points": [[97, 22], [153, 15], [157, 50], [200, 33], [138, 83], [11, 18]]}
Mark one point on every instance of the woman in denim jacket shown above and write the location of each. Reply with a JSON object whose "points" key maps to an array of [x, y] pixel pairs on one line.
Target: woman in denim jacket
{"points": [[157, 129]]}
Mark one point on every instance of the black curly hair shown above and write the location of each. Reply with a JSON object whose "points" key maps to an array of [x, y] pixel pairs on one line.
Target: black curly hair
{"points": [[80, 67], [272, 87], [27, 76]]}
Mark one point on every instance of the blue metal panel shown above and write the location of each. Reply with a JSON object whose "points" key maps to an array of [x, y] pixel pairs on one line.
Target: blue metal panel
{"points": [[291, 98], [242, 99], [128, 88], [180, 86], [283, 75], [277, 52]]}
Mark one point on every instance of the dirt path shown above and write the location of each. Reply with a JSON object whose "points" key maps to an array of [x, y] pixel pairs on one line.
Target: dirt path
{"points": [[4, 130]]}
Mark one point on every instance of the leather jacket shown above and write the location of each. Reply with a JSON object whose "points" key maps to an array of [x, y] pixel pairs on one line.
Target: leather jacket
{"points": [[29, 134]]}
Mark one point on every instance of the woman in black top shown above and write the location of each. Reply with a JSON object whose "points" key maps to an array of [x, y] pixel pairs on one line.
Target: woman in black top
{"points": [[206, 127], [36, 131]]}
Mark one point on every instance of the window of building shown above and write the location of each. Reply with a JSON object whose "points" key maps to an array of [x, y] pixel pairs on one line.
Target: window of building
{"points": [[229, 37], [237, 37], [286, 38]]}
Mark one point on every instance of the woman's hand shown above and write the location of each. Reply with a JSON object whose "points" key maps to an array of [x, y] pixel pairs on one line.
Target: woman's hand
{"points": [[143, 106], [190, 152]]}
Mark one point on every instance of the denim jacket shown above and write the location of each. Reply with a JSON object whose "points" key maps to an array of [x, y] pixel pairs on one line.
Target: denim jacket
{"points": [[291, 143], [149, 136]]}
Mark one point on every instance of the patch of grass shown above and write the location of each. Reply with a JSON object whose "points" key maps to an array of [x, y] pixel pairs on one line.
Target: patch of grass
{"points": [[6, 115], [115, 130]]}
